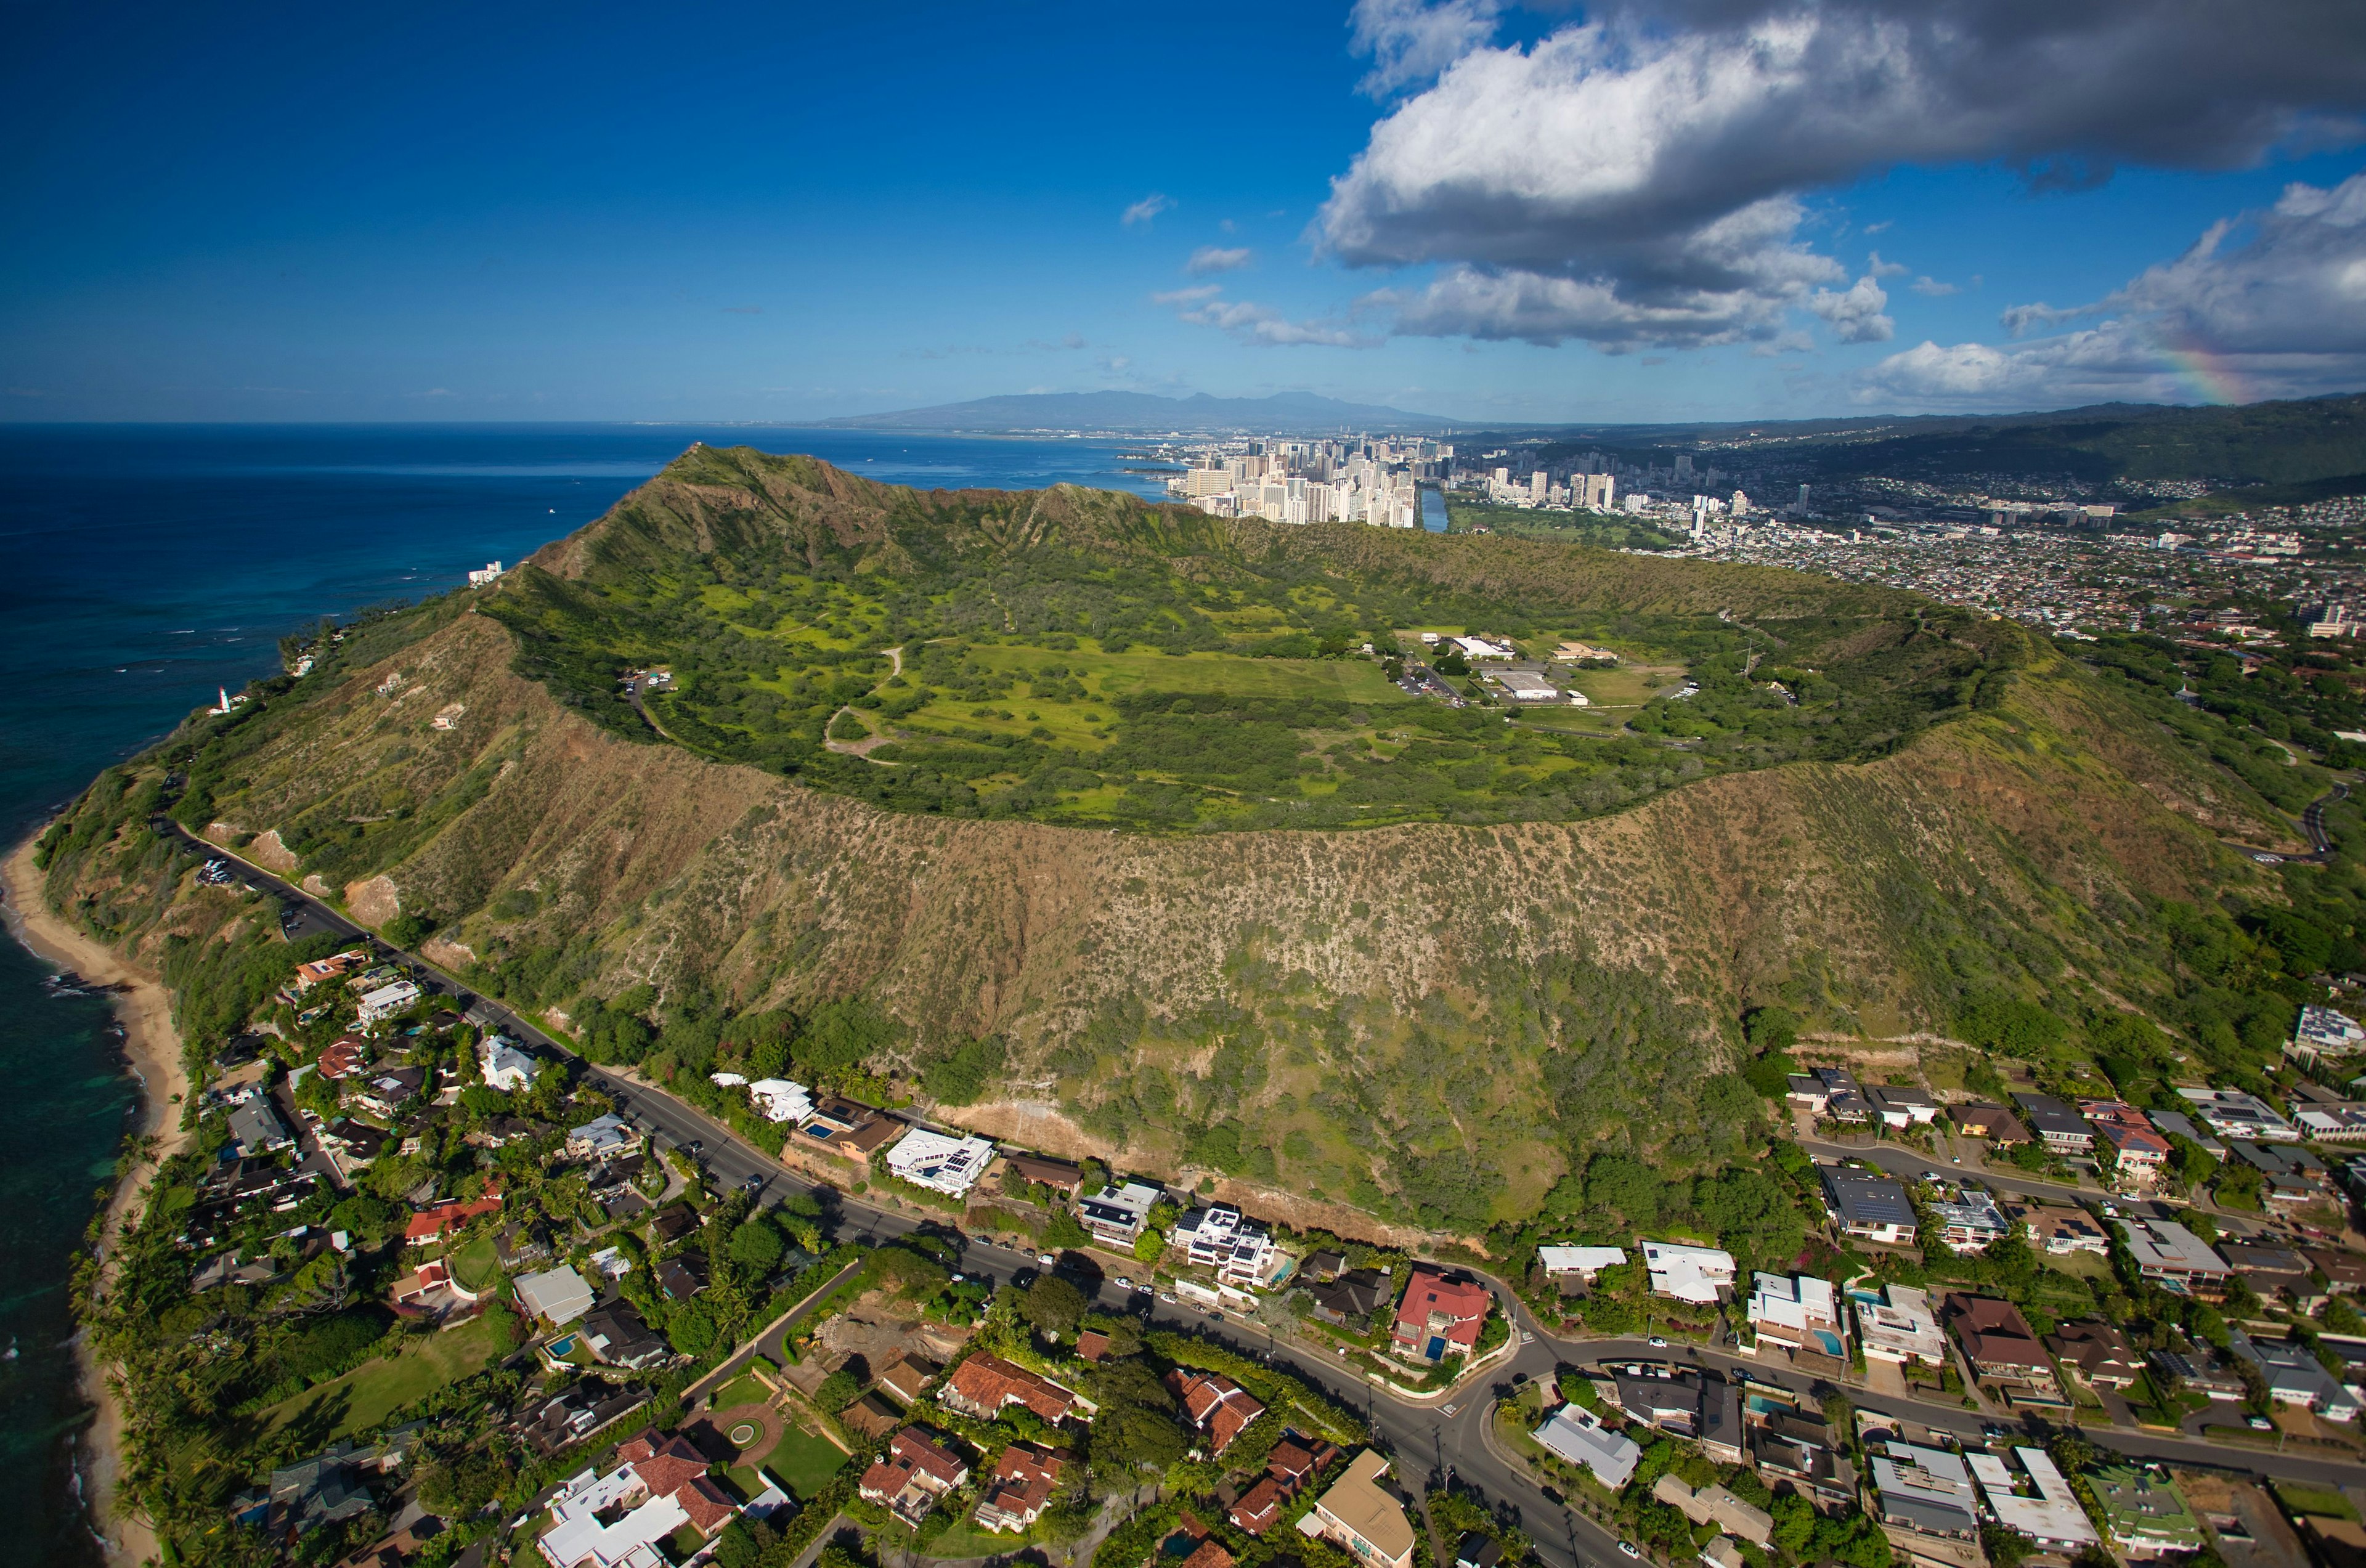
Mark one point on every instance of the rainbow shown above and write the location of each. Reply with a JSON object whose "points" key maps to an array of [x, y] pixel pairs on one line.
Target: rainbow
{"points": [[2207, 374]]}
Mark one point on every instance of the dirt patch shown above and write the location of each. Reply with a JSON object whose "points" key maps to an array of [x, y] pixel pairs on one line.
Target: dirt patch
{"points": [[446, 954], [373, 902], [271, 853]]}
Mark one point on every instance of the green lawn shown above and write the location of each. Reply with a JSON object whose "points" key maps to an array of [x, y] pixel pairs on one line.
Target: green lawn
{"points": [[746, 1389], [475, 1265], [800, 1461], [376, 1390], [967, 1538]]}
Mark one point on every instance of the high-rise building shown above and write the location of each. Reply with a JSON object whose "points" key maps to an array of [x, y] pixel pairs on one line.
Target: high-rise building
{"points": [[1537, 483]]}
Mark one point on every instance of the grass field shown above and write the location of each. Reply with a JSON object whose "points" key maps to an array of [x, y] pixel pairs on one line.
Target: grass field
{"points": [[968, 1538], [800, 1461], [376, 1390], [743, 1389], [475, 1265]]}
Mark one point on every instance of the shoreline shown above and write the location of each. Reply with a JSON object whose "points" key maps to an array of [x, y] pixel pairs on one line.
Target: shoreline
{"points": [[152, 1048]]}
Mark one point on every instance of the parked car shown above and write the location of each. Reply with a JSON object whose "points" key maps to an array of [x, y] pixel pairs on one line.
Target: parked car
{"points": [[1656, 1343], [1628, 1547]]}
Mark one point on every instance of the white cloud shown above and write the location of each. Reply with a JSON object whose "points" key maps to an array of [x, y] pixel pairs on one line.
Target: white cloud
{"points": [[1879, 268], [1856, 312], [1409, 41], [1148, 207], [1611, 158], [1933, 288], [2269, 304], [1217, 258], [1254, 323]]}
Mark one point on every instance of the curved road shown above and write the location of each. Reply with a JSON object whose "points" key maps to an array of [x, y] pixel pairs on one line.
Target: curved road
{"points": [[1429, 1438]]}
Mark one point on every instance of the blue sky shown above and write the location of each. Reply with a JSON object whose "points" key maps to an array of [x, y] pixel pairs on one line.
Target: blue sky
{"points": [[1661, 211]]}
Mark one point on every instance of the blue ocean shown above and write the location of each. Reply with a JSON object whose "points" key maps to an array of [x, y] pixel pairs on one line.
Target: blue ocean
{"points": [[149, 566]]}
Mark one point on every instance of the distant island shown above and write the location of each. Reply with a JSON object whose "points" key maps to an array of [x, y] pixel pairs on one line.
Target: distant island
{"points": [[1146, 412]]}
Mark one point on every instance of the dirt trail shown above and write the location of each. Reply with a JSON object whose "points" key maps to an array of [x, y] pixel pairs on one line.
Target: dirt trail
{"points": [[869, 743]]}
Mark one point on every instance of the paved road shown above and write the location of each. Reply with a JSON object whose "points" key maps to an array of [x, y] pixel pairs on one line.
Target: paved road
{"points": [[2312, 820], [1429, 1438]]}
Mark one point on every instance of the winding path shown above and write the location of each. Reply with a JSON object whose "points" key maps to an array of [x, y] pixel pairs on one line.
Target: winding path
{"points": [[869, 743]]}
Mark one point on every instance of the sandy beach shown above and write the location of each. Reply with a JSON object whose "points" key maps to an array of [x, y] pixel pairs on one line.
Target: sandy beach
{"points": [[154, 1051]]}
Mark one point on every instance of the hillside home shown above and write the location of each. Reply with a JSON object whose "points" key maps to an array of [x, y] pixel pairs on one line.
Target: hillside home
{"points": [[1800, 1313], [1900, 1108], [1058, 1176], [256, 1129], [2098, 1354], [1926, 1491], [1116, 1214], [343, 1057], [1352, 1298], [2003, 1349], [601, 1137], [617, 1336], [1903, 1330], [1969, 1221], [2232, 1113], [1358, 1514], [914, 1472], [1440, 1314], [2294, 1376], [1713, 1505], [842, 1127], [1696, 1274], [559, 1296], [939, 1162], [2043, 1508], [1240, 1249], [2137, 1152], [1796, 1449], [2001, 1128], [333, 967], [2171, 1256], [2321, 1031], [2059, 1230], [384, 1093], [2269, 1270], [1214, 1404], [2177, 1124], [2147, 1514], [781, 1100], [503, 1065], [1868, 1205], [2061, 1129], [380, 1005], [1569, 1265], [443, 1221], [1703, 1406], [985, 1384]]}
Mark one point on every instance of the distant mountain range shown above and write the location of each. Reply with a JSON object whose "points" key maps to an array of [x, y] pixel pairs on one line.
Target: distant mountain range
{"points": [[1146, 412]]}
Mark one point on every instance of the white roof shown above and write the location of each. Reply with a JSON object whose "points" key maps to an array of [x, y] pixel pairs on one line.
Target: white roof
{"points": [[578, 1536], [726, 1081], [558, 1294], [781, 1100], [1688, 1273], [1581, 1259], [2054, 1517], [1793, 1300], [1576, 1436], [2165, 1243], [934, 1160]]}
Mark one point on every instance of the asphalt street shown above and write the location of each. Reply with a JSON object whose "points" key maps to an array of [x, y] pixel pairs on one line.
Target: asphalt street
{"points": [[1429, 1439]]}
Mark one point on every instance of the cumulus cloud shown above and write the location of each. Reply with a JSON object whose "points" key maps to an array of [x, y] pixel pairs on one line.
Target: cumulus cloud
{"points": [[1856, 312], [1205, 306], [1617, 154], [1933, 288], [1148, 207], [1879, 268], [2266, 304], [1408, 41], [1217, 258]]}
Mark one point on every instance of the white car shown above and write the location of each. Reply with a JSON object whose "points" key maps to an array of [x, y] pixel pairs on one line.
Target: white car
{"points": [[1628, 1547], [1656, 1343], [1047, 1262]]}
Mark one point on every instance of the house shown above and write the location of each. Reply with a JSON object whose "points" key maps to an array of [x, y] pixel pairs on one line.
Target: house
{"points": [[1868, 1205], [2269, 1270], [1189, 1546], [1696, 1274], [1831, 1092], [2294, 1174], [1703, 1406], [1214, 1404], [2210, 1378], [1571, 1266], [1999, 1126], [907, 1377], [1440, 1316], [559, 1296], [1970, 1221], [981, 1386], [1578, 1435], [2330, 1122], [1900, 1108], [2147, 1514], [343, 1057], [2175, 1125], [1476, 1550], [2169, 1255], [383, 1003], [2321, 1031], [1799, 1312], [503, 1065], [2098, 1354], [1325, 1266], [872, 1416], [2345, 1272], [1259, 1508], [2062, 1130], [430, 1291], [844, 1127], [1058, 1176], [1358, 1514], [939, 1162], [520, 1245], [622, 1519], [1298, 1460], [1024, 1478], [2232, 1113], [912, 1474], [2001, 1347], [616, 1337], [303, 1496], [2294, 1376], [1713, 1505], [352, 1145], [1091, 1345], [1795, 1448], [675, 1221], [549, 1424], [2137, 1151], [256, 1129], [1352, 1298], [1116, 1214], [1927, 1491], [443, 1221], [1240, 1249], [2054, 1518], [681, 1277], [602, 1136], [333, 967], [2059, 1229], [781, 1100], [383, 1094], [1903, 1330]]}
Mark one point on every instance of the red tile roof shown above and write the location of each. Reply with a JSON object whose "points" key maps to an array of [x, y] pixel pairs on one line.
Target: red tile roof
{"points": [[985, 1383], [1458, 1308], [1259, 1507], [911, 1453], [1216, 1405], [435, 1223]]}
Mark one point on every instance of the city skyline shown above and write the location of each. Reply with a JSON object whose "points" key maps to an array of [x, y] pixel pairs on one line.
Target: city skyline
{"points": [[1648, 212]]}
